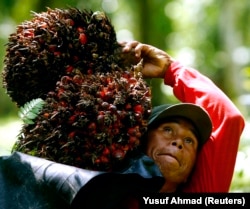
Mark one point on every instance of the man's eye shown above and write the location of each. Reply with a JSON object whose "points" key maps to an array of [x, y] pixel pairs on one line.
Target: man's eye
{"points": [[189, 140], [168, 130]]}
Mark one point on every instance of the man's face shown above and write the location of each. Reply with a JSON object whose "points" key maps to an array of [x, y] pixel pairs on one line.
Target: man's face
{"points": [[173, 146]]}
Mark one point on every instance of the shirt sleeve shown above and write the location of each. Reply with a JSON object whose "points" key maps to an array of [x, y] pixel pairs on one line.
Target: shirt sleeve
{"points": [[216, 160]]}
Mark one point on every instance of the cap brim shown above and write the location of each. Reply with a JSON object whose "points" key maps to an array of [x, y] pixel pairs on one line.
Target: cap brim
{"points": [[195, 113]]}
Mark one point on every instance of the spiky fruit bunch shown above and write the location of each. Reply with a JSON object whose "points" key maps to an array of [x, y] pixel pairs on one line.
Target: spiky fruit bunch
{"points": [[96, 104], [51, 44], [90, 121]]}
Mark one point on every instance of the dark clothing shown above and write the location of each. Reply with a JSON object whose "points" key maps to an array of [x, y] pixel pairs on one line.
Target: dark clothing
{"points": [[30, 182]]}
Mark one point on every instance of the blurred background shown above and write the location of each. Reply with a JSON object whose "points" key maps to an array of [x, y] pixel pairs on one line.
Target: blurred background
{"points": [[212, 36]]}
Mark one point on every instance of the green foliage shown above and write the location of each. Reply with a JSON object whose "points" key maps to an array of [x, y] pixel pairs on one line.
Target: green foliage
{"points": [[30, 110]]}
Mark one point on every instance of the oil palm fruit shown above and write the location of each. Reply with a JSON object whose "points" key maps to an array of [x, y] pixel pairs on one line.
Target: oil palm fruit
{"points": [[93, 104]]}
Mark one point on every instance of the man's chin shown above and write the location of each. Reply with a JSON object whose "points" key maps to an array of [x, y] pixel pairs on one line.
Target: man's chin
{"points": [[167, 164]]}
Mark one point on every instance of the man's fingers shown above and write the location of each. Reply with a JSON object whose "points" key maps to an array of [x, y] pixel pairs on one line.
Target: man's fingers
{"points": [[128, 46]]}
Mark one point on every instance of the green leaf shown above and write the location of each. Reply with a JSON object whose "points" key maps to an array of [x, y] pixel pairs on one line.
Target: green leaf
{"points": [[30, 110]]}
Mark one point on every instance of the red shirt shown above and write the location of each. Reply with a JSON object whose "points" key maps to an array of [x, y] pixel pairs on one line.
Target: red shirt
{"points": [[215, 162]]}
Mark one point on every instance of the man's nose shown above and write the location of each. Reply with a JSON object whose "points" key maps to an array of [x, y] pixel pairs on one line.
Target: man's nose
{"points": [[177, 143]]}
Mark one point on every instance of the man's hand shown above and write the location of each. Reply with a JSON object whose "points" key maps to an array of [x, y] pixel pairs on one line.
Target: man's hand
{"points": [[155, 61]]}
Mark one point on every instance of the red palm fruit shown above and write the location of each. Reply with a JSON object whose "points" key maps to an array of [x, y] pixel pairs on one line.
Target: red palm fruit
{"points": [[132, 131], [70, 22], [82, 38], [97, 161], [80, 29], [138, 108], [72, 119], [104, 159], [72, 134], [106, 151], [92, 126], [132, 139], [69, 69], [118, 154]]}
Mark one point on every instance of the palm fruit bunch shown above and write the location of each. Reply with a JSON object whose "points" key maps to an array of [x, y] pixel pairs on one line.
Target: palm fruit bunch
{"points": [[93, 103], [52, 44]]}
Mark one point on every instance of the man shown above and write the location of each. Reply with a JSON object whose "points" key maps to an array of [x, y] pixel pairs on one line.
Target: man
{"points": [[174, 135], [189, 147], [215, 161]]}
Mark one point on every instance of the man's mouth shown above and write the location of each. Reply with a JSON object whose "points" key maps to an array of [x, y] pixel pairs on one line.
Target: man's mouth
{"points": [[170, 155]]}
